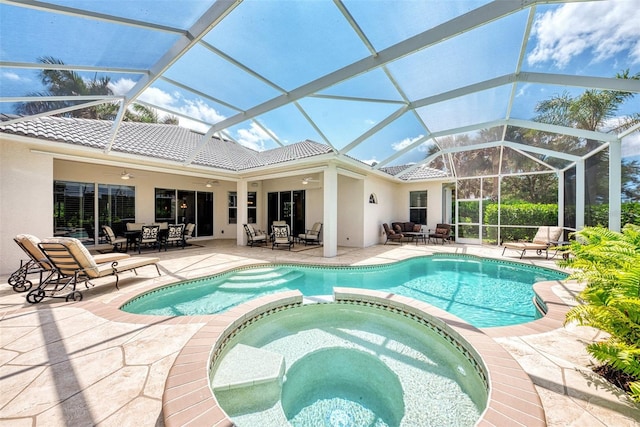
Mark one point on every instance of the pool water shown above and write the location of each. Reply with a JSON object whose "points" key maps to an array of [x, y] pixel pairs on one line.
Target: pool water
{"points": [[347, 365], [483, 292]]}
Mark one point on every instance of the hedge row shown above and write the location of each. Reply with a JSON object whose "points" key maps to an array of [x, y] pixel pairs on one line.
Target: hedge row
{"points": [[532, 214]]}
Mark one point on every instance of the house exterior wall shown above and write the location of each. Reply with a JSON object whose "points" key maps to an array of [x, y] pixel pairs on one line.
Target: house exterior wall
{"points": [[26, 199], [350, 212], [375, 214], [434, 202]]}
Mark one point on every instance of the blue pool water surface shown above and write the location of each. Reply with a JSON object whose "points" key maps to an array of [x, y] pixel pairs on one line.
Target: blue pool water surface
{"points": [[483, 292]]}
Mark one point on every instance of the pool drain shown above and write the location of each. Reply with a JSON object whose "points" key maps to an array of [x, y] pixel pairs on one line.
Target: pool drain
{"points": [[339, 418]]}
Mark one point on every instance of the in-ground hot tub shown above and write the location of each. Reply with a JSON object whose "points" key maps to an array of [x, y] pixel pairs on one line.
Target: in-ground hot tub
{"points": [[347, 364]]}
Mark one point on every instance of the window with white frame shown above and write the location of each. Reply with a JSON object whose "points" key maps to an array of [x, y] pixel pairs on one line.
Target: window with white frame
{"points": [[233, 207], [418, 207]]}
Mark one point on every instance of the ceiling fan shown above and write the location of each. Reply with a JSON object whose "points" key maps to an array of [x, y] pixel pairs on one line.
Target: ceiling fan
{"points": [[126, 175], [309, 179], [210, 183]]}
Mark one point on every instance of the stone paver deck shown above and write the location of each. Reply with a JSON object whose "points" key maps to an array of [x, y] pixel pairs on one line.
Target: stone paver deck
{"points": [[88, 363]]}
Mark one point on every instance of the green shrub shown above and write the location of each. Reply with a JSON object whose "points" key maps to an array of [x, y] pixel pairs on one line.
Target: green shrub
{"points": [[530, 214], [609, 263]]}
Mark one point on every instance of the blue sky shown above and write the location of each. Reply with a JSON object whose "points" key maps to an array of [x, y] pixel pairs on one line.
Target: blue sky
{"points": [[293, 42]]}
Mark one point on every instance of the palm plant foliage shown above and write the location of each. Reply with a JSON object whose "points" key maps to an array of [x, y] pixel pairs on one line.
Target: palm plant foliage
{"points": [[609, 263]]}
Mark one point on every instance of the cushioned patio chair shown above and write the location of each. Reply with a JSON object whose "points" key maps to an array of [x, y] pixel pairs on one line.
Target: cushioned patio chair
{"points": [[545, 238], [37, 263], [392, 235], [281, 236], [188, 233], [73, 264], [254, 237], [149, 236], [175, 235], [442, 232], [312, 237], [119, 243]]}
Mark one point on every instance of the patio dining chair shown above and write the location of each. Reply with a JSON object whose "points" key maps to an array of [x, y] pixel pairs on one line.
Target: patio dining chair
{"points": [[149, 236], [119, 243], [175, 235], [72, 264], [188, 233], [281, 236]]}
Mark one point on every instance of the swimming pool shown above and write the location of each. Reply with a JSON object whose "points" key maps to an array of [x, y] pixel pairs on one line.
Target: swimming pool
{"points": [[484, 292]]}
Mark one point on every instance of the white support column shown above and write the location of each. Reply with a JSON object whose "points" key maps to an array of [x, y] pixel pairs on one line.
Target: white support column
{"points": [[241, 192], [580, 194], [615, 185], [561, 177], [330, 214]]}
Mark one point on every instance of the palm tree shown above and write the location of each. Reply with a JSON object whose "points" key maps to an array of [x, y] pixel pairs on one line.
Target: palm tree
{"points": [[592, 110], [63, 83], [66, 82]]}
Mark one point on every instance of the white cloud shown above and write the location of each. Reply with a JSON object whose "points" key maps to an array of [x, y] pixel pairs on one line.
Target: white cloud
{"points": [[606, 28], [631, 145], [14, 77], [253, 138], [397, 146], [121, 86]]}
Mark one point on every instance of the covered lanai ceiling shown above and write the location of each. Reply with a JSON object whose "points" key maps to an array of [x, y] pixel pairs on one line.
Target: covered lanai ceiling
{"points": [[389, 83]]}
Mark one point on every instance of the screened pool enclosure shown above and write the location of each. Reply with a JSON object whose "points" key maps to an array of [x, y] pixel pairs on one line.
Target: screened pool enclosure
{"points": [[505, 101]]}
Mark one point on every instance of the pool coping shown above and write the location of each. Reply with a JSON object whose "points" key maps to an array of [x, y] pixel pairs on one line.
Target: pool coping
{"points": [[513, 399]]}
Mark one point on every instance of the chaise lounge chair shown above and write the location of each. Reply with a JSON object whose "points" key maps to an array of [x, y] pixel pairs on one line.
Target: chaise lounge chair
{"points": [[73, 263], [545, 238], [38, 263]]}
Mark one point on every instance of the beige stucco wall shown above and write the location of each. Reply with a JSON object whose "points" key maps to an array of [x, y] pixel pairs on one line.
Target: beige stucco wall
{"points": [[434, 202], [350, 212], [26, 199], [377, 213]]}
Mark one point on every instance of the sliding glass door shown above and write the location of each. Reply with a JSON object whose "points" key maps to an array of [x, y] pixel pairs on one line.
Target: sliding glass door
{"points": [[288, 206]]}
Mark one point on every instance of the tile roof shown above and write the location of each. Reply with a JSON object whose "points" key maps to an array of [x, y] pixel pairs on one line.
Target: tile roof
{"points": [[171, 142], [160, 141], [420, 173]]}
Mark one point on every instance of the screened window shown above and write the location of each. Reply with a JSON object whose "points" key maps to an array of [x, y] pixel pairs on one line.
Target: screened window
{"points": [[252, 207], [233, 207], [418, 207]]}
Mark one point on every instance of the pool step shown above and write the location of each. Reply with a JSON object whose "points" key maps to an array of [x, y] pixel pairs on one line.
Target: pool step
{"points": [[261, 282], [249, 379], [259, 276]]}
